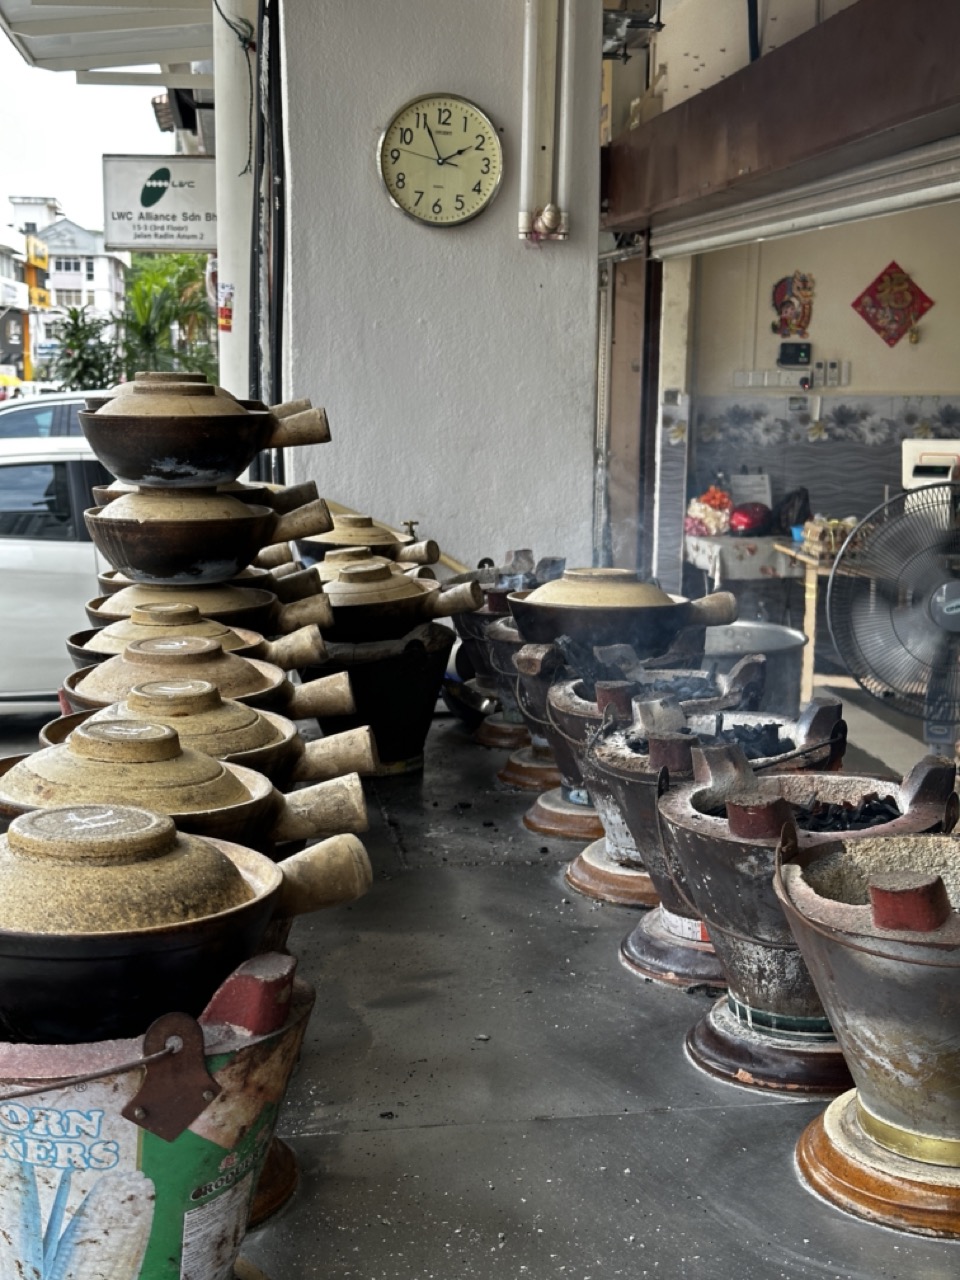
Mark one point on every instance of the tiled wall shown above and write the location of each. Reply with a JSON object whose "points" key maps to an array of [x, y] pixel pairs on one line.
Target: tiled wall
{"points": [[842, 449]]}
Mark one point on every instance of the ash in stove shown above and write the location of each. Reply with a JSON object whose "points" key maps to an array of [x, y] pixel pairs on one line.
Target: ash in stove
{"points": [[684, 689], [756, 741], [872, 811]]}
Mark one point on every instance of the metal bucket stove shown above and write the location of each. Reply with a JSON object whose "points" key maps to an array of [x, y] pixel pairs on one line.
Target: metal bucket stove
{"points": [[721, 831], [137, 1159], [878, 924], [504, 728], [611, 869], [531, 768], [671, 943]]}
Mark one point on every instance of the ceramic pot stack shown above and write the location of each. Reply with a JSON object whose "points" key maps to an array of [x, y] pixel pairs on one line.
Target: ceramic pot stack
{"points": [[720, 833], [592, 608], [383, 633]]}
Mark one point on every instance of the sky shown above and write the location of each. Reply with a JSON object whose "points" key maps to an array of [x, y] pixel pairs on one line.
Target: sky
{"points": [[55, 132]]}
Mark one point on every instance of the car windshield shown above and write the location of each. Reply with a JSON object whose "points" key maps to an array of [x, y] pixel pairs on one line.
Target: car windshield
{"points": [[27, 420]]}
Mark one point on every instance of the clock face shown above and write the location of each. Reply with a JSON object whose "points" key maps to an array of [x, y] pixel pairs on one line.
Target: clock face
{"points": [[440, 160]]}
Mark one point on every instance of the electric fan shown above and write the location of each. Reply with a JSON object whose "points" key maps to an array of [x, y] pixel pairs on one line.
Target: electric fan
{"points": [[893, 605]]}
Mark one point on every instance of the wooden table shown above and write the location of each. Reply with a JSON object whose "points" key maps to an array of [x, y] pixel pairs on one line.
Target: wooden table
{"points": [[813, 570]]}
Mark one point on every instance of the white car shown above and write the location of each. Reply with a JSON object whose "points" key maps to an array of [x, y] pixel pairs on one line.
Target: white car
{"points": [[48, 565]]}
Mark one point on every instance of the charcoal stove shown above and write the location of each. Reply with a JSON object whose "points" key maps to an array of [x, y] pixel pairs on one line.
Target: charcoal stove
{"points": [[565, 812], [671, 943], [141, 1157], [531, 768], [504, 729], [612, 869], [721, 832], [395, 687], [878, 924]]}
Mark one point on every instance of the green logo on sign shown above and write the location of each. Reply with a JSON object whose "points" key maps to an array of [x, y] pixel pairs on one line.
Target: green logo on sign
{"points": [[155, 187]]}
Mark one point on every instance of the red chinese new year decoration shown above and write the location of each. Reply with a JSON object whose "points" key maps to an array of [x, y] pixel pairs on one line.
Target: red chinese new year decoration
{"points": [[892, 304]]}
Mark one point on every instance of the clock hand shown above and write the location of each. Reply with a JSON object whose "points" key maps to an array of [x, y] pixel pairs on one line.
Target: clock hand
{"points": [[418, 154], [434, 142], [447, 159]]}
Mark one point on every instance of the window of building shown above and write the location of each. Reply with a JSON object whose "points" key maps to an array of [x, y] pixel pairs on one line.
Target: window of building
{"points": [[89, 297], [66, 264], [69, 297], [89, 265], [29, 228]]}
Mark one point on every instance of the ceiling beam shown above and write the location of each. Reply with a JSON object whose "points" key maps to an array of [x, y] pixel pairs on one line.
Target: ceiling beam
{"points": [[168, 80], [155, 20], [129, 58]]}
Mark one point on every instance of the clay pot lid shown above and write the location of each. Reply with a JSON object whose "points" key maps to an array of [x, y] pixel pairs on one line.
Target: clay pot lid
{"points": [[371, 583], [600, 589], [107, 869], [214, 599], [174, 619], [343, 557], [176, 657], [171, 400], [123, 760], [203, 719], [350, 529], [144, 505]]}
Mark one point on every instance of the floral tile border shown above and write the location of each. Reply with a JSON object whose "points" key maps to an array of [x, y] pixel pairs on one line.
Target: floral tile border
{"points": [[872, 421]]}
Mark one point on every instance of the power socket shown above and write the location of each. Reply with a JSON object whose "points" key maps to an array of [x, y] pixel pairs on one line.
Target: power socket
{"points": [[833, 373], [819, 373]]}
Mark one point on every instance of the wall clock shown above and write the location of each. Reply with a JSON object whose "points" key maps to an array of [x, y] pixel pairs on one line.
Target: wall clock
{"points": [[440, 160]]}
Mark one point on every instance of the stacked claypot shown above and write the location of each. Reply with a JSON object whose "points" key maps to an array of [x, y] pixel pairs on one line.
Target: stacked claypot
{"points": [[384, 632], [591, 608]]}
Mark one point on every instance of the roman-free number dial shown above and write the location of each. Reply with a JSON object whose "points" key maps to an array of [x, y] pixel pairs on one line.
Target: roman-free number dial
{"points": [[440, 160]]}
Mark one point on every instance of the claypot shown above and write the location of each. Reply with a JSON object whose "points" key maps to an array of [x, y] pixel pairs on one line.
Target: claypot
{"points": [[110, 917], [280, 498], [370, 602], [235, 606], [298, 649], [192, 536], [183, 435], [232, 732], [613, 606], [249, 680], [125, 761], [331, 564], [288, 581], [352, 530]]}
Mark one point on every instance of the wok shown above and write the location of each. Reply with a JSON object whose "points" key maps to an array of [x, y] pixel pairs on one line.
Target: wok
{"points": [[70, 988]]}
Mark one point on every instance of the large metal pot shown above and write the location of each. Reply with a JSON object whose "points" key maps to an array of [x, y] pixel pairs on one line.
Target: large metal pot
{"points": [[613, 606], [70, 983], [184, 435], [192, 536], [128, 762]]}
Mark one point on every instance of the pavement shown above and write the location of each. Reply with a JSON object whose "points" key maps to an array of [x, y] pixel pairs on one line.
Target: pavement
{"points": [[486, 1092]]}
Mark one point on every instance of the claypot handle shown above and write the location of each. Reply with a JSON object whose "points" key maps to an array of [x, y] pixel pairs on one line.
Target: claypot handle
{"points": [[325, 875], [287, 408], [273, 557], [302, 522], [421, 571], [716, 610], [300, 613], [308, 427], [301, 648], [353, 751], [427, 552], [283, 571], [290, 583], [325, 809], [460, 599], [328, 696], [292, 496]]}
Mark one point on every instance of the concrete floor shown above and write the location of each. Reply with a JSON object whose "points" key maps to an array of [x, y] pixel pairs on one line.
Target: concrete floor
{"points": [[486, 1092]]}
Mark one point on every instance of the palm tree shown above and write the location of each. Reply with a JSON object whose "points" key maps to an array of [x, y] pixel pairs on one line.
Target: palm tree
{"points": [[167, 323]]}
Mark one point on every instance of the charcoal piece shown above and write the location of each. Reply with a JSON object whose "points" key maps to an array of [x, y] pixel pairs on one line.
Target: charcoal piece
{"points": [[872, 811], [757, 741]]}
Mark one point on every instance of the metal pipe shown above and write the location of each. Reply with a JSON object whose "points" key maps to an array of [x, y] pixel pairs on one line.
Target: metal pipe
{"points": [[528, 120], [566, 113]]}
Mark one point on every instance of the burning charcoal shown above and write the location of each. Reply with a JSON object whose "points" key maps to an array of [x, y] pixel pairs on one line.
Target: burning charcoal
{"points": [[757, 742], [872, 811]]}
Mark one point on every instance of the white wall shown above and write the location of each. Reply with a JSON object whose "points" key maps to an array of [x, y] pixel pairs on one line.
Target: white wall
{"points": [[457, 366]]}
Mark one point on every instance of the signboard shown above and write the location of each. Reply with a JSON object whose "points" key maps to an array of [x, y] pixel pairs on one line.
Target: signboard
{"points": [[36, 253], [158, 204]]}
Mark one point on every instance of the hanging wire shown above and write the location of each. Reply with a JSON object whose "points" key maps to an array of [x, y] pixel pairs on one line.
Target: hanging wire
{"points": [[243, 29]]}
